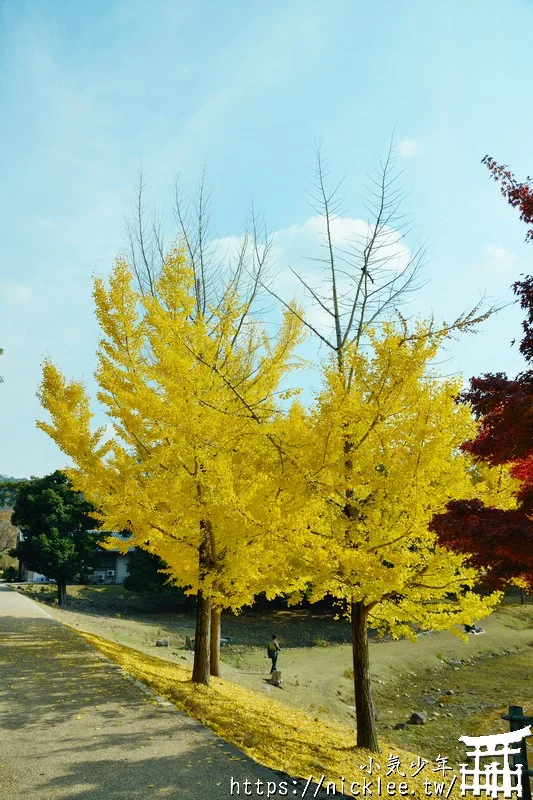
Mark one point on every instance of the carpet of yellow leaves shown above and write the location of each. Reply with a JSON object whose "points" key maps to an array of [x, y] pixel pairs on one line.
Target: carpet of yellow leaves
{"points": [[278, 737]]}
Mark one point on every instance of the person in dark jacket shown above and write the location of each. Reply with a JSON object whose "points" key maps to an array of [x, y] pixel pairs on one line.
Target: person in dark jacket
{"points": [[273, 649]]}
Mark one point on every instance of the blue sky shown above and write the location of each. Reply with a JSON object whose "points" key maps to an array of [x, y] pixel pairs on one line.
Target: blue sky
{"points": [[90, 91]]}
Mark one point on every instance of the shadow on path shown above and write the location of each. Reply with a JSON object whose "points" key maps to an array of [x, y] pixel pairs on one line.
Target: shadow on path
{"points": [[73, 725]]}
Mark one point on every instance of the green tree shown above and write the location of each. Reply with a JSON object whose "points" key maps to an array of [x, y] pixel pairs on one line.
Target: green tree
{"points": [[146, 573], [11, 574], [58, 536], [8, 490]]}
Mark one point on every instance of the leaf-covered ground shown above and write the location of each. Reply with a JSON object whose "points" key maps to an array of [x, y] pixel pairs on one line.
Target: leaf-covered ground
{"points": [[283, 739]]}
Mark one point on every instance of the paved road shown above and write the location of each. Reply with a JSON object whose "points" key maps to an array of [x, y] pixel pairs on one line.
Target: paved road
{"points": [[73, 726]]}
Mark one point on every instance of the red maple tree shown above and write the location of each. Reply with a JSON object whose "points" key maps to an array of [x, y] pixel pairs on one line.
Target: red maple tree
{"points": [[501, 542], [518, 195], [493, 539]]}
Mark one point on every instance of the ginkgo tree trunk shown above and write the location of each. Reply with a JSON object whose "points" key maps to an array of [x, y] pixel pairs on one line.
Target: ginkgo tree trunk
{"points": [[185, 468]]}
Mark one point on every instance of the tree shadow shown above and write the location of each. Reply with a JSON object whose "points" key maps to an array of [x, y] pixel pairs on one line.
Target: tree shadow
{"points": [[48, 673], [169, 776]]}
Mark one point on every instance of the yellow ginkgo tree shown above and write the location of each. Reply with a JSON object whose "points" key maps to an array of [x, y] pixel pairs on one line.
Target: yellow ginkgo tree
{"points": [[379, 453], [191, 467], [382, 446]]}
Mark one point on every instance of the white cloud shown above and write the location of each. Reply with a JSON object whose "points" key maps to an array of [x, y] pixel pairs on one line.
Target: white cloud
{"points": [[18, 297], [409, 148], [500, 259], [301, 252]]}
